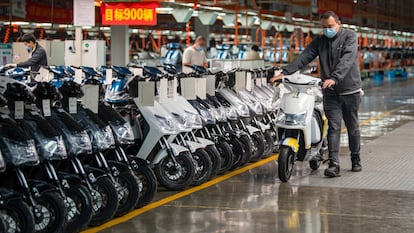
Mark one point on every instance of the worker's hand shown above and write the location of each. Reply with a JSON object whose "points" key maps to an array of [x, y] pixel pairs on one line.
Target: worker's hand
{"points": [[276, 78], [11, 65], [205, 65], [328, 83]]}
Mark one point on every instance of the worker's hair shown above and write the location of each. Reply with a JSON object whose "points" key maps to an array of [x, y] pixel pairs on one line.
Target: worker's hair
{"points": [[255, 48], [328, 14], [28, 37], [200, 38]]}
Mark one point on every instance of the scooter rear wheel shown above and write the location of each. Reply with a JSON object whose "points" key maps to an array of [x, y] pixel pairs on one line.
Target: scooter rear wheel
{"points": [[286, 163], [175, 175], [18, 217]]}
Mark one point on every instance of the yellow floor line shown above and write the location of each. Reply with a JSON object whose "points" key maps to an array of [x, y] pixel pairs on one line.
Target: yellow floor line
{"points": [[377, 117], [174, 197]]}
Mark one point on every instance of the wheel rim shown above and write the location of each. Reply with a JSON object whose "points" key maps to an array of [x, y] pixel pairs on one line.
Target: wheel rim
{"points": [[12, 222], [72, 208], [123, 191], [99, 199], [43, 217], [174, 171], [290, 164], [198, 163]]}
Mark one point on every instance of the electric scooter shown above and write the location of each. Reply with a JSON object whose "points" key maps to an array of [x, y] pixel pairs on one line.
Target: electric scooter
{"points": [[302, 124]]}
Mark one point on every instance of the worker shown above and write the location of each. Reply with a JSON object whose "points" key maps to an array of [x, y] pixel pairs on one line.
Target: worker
{"points": [[37, 54], [195, 55], [337, 49], [252, 54]]}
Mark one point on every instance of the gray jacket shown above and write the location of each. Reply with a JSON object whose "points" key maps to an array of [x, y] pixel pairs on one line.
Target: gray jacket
{"points": [[39, 58], [338, 59]]}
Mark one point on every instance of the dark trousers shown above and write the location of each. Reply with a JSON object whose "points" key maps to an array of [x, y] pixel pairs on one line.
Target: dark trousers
{"points": [[344, 107]]}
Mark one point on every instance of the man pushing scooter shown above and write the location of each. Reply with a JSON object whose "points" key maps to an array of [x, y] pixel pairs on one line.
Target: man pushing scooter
{"points": [[337, 49]]}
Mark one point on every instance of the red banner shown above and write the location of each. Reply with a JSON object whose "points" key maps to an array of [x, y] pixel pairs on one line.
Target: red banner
{"points": [[129, 13]]}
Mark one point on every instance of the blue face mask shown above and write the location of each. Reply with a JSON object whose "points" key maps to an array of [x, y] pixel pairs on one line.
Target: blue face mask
{"points": [[329, 32], [199, 48], [28, 49]]}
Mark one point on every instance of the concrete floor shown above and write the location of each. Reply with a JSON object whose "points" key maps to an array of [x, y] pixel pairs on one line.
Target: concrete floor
{"points": [[379, 199]]}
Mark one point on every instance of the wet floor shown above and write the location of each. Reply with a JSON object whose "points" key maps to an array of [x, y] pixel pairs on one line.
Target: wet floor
{"points": [[256, 201]]}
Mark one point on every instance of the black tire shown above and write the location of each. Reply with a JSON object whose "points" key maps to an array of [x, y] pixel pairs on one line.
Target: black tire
{"points": [[247, 149], [52, 213], [105, 202], [238, 152], [226, 156], [3, 226], [148, 184], [128, 192], [286, 163], [80, 208], [314, 163], [269, 144], [215, 159], [258, 145], [18, 217], [175, 176], [203, 167]]}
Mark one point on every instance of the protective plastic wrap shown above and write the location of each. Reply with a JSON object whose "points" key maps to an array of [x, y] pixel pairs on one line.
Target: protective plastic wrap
{"points": [[76, 142], [19, 152], [102, 138], [123, 133], [50, 148]]}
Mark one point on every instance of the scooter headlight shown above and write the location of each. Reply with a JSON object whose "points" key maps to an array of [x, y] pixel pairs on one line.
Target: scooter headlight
{"points": [[243, 110], [53, 148], [291, 119], [183, 121], [232, 114], [195, 119], [123, 133], [221, 114], [166, 124], [207, 116]]}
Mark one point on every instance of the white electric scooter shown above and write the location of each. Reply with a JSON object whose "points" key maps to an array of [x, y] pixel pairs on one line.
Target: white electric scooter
{"points": [[302, 124]]}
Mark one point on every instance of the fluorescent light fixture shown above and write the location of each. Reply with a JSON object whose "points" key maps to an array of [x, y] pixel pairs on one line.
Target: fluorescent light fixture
{"points": [[44, 24], [86, 27], [17, 23], [164, 10]]}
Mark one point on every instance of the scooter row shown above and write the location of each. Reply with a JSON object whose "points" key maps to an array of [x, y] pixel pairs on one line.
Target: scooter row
{"points": [[144, 129], [64, 165]]}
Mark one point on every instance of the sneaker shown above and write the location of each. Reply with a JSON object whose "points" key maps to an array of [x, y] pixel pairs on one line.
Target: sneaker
{"points": [[356, 165], [333, 170]]}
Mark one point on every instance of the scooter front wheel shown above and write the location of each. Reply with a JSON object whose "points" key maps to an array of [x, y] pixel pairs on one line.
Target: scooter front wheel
{"points": [[128, 192], [148, 184], [215, 159], [175, 174], [286, 163], [203, 166], [18, 217], [50, 212], [80, 207], [105, 202]]}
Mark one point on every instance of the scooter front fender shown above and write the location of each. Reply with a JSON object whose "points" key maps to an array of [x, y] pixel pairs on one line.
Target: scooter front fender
{"points": [[263, 127], [252, 129], [7, 195], [68, 179], [205, 142], [291, 143], [176, 149], [194, 146], [41, 186]]}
